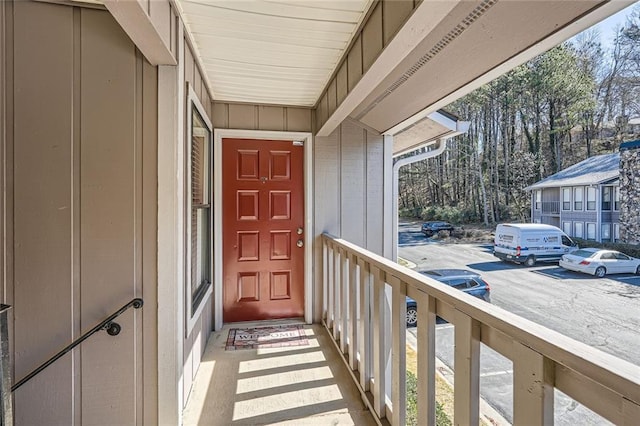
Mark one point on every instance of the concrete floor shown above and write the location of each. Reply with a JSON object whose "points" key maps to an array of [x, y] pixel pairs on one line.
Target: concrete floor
{"points": [[296, 385]]}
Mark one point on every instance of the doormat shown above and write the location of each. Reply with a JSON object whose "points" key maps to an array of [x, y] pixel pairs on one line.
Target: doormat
{"points": [[266, 337]]}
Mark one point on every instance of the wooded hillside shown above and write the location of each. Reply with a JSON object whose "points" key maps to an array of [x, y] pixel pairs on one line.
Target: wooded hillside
{"points": [[572, 102]]}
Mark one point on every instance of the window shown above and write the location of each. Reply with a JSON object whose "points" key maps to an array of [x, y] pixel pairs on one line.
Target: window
{"points": [[606, 198], [577, 198], [616, 198], [605, 232], [566, 198], [591, 198], [591, 231], [566, 227], [199, 241], [578, 229], [616, 232], [566, 241], [538, 199], [621, 256]]}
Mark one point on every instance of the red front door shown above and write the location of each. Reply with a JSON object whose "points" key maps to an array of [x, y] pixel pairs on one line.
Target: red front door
{"points": [[263, 219]]}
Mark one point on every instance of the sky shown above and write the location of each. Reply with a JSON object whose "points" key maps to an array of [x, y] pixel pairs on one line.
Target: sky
{"points": [[608, 27]]}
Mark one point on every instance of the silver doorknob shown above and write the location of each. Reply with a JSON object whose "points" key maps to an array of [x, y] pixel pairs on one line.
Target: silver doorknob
{"points": [[299, 231], [300, 243]]}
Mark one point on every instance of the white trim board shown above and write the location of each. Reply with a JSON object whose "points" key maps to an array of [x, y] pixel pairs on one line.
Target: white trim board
{"points": [[307, 139]]}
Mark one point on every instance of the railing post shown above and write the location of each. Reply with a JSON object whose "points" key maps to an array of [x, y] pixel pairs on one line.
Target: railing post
{"points": [[353, 312], [426, 359], [466, 370], [330, 285], [6, 418], [399, 351], [533, 385], [379, 343], [365, 325]]}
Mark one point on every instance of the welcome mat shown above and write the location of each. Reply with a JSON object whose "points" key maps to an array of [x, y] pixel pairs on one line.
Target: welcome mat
{"points": [[266, 337]]}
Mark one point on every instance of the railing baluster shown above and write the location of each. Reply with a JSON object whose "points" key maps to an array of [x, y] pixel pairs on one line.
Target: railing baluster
{"points": [[466, 370], [337, 286], [533, 385], [325, 280], [344, 299], [399, 352], [379, 343], [330, 286], [353, 312], [426, 359], [365, 325]]}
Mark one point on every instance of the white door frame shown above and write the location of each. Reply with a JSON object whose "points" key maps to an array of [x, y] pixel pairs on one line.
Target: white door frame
{"points": [[307, 140]]}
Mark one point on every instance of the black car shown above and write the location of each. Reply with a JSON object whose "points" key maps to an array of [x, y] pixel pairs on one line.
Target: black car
{"points": [[462, 279], [429, 229]]}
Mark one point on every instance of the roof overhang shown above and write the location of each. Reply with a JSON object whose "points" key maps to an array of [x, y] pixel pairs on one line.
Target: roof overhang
{"points": [[437, 125]]}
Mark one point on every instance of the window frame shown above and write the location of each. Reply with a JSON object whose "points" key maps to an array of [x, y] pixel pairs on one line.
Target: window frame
{"points": [[616, 232], [575, 230], [605, 228], [567, 228], [196, 299], [591, 225], [606, 202], [616, 198], [578, 190], [566, 204], [592, 190], [538, 199]]}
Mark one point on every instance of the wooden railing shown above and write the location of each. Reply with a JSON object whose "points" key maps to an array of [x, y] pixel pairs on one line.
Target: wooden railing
{"points": [[358, 286]]}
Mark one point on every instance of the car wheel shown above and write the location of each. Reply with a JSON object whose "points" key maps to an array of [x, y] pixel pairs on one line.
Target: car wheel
{"points": [[412, 316], [600, 272], [531, 261], [638, 270]]}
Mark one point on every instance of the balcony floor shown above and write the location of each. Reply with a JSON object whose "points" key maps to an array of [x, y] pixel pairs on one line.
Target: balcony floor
{"points": [[298, 385]]}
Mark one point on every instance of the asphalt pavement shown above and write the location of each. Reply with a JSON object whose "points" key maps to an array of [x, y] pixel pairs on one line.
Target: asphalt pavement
{"points": [[604, 313]]}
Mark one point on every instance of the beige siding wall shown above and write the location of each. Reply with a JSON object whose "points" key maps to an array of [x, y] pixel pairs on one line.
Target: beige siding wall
{"points": [[375, 34], [261, 117], [196, 339], [352, 193], [81, 122]]}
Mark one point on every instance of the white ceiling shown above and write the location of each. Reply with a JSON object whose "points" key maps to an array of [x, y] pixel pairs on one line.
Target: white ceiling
{"points": [[280, 52]]}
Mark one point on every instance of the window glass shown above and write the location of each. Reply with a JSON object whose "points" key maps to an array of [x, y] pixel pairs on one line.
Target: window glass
{"points": [[566, 227], [616, 232], [538, 199], [566, 241], [566, 198], [616, 198], [591, 231], [458, 283], [621, 256], [578, 229], [591, 198], [577, 198], [607, 256], [606, 232], [200, 232], [606, 198]]}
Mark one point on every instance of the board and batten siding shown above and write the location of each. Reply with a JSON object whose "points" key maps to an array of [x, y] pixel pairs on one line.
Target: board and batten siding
{"points": [[81, 117], [227, 115], [379, 28], [352, 193]]}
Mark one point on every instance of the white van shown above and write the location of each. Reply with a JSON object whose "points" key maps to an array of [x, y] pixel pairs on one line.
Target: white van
{"points": [[529, 243]]}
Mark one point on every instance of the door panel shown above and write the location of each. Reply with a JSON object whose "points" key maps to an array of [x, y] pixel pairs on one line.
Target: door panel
{"points": [[263, 209]]}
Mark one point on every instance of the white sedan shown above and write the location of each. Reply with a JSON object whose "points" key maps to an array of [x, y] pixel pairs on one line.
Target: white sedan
{"points": [[600, 262]]}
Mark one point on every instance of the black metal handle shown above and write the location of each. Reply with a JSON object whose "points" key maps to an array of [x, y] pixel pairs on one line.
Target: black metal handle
{"points": [[112, 328]]}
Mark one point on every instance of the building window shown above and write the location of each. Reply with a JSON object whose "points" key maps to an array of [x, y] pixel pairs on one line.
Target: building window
{"points": [[538, 199], [591, 231], [199, 239], [616, 232], [606, 198], [577, 198], [566, 198], [605, 232], [566, 227], [616, 198], [578, 230], [591, 198]]}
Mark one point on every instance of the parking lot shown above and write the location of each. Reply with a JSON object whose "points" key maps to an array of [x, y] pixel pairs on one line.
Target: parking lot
{"points": [[604, 313]]}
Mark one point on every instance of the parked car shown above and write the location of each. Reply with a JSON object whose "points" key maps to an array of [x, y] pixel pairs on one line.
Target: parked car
{"points": [[462, 279], [600, 262], [429, 229]]}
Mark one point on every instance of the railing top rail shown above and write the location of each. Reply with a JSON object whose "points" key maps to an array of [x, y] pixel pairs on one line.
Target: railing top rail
{"points": [[620, 376]]}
